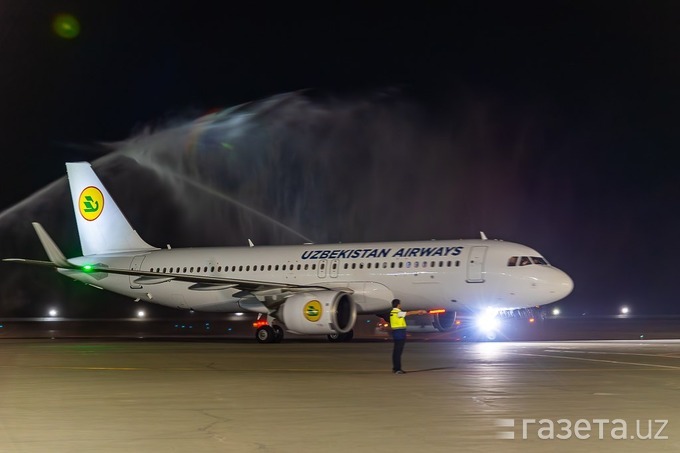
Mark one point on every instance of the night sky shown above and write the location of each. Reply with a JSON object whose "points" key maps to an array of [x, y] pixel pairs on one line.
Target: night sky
{"points": [[552, 124]]}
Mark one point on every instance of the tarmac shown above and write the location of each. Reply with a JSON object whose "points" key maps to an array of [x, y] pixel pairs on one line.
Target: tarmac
{"points": [[234, 395]]}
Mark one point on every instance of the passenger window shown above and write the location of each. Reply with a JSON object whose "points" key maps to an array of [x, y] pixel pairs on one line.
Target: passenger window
{"points": [[354, 265], [368, 265], [269, 267], [346, 266], [392, 265], [401, 264], [299, 266], [192, 270], [240, 268], [313, 267], [512, 261], [416, 264], [276, 268], [306, 266], [457, 263]]}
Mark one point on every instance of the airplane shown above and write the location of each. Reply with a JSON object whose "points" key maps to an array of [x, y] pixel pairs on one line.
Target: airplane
{"points": [[305, 289]]}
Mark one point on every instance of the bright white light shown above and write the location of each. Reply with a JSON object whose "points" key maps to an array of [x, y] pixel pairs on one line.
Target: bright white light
{"points": [[53, 312], [625, 310], [556, 312], [238, 314], [487, 321], [141, 313]]}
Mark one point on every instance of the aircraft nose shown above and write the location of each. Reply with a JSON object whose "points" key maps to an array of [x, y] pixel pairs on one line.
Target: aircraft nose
{"points": [[565, 285]]}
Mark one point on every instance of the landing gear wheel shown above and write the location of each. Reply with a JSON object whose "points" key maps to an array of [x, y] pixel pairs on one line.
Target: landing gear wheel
{"points": [[340, 337], [278, 334], [265, 334]]}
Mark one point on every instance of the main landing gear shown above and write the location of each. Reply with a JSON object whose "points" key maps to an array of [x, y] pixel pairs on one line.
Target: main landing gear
{"points": [[266, 332], [340, 337], [269, 334]]}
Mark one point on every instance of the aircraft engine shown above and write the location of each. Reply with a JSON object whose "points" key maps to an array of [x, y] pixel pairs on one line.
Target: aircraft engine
{"points": [[319, 312], [445, 321], [432, 322]]}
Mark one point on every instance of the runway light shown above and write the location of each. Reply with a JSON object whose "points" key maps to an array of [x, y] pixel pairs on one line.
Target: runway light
{"points": [[53, 312], [556, 312], [625, 310]]}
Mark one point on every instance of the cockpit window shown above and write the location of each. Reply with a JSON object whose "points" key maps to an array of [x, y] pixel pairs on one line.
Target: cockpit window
{"points": [[539, 260], [527, 260]]}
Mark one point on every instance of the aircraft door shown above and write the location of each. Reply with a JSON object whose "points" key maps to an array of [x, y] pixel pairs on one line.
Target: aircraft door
{"points": [[135, 265], [475, 267], [321, 271]]}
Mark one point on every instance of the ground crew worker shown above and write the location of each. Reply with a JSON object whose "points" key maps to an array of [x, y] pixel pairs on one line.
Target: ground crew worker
{"points": [[398, 325]]}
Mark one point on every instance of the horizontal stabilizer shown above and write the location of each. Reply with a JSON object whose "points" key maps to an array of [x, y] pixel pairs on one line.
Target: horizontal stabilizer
{"points": [[31, 262]]}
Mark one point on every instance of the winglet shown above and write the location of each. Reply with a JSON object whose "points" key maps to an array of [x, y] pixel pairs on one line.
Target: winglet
{"points": [[250, 243], [53, 252]]}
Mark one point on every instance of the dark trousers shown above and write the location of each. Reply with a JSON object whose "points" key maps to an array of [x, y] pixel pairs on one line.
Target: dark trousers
{"points": [[396, 353]]}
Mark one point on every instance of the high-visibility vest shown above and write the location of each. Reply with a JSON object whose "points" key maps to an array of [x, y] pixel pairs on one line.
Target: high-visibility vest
{"points": [[395, 321]]}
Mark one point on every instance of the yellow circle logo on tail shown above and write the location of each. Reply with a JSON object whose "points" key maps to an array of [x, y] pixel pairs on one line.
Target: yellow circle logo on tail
{"points": [[312, 310], [91, 203]]}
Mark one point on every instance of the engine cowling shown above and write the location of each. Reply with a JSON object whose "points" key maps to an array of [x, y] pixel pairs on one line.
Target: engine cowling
{"points": [[444, 322], [319, 312], [431, 323]]}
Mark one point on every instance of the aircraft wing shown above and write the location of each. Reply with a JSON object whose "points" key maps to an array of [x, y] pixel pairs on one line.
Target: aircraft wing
{"points": [[204, 282]]}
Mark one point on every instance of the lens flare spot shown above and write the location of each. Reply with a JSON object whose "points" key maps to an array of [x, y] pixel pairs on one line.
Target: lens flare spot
{"points": [[66, 26]]}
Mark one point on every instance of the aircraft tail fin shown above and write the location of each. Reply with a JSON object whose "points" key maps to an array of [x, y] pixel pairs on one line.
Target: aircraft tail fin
{"points": [[102, 227]]}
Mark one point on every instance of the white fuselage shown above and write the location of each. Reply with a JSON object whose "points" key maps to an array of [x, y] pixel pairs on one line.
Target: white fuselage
{"points": [[450, 275]]}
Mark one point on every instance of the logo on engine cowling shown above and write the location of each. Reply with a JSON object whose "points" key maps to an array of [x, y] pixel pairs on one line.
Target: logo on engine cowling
{"points": [[312, 311]]}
